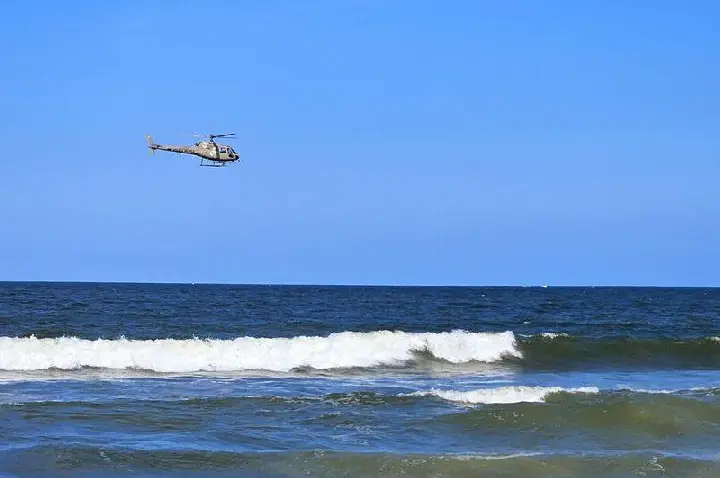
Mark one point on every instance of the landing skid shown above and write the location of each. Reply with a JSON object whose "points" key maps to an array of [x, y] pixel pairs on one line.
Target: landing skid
{"points": [[212, 165]]}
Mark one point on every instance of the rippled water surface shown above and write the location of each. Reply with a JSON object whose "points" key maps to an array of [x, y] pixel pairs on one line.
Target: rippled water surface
{"points": [[282, 381]]}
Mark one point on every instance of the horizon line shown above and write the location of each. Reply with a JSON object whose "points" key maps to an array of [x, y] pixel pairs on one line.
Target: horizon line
{"points": [[359, 284]]}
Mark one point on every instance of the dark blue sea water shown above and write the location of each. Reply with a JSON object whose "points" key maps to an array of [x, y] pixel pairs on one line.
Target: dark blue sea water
{"points": [[281, 381]]}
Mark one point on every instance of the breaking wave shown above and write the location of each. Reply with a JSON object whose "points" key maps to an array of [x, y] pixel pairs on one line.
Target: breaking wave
{"points": [[351, 350], [503, 395], [340, 350]]}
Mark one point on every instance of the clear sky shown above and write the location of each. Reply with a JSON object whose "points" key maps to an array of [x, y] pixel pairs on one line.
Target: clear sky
{"points": [[403, 142]]}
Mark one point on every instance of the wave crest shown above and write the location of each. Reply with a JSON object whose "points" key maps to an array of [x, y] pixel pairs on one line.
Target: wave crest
{"points": [[339, 350], [503, 395]]}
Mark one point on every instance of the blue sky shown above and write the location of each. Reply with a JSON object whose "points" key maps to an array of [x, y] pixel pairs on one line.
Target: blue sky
{"points": [[462, 142]]}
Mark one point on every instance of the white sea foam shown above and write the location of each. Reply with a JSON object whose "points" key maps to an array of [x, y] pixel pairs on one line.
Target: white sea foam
{"points": [[340, 350], [554, 335], [668, 391], [502, 394]]}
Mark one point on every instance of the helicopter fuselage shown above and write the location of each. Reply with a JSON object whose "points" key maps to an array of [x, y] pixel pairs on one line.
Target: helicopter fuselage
{"points": [[214, 151]]}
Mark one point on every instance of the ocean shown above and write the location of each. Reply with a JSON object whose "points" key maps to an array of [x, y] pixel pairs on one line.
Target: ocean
{"points": [[141, 380]]}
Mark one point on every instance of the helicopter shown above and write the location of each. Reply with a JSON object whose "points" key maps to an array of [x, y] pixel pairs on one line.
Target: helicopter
{"points": [[217, 154]]}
